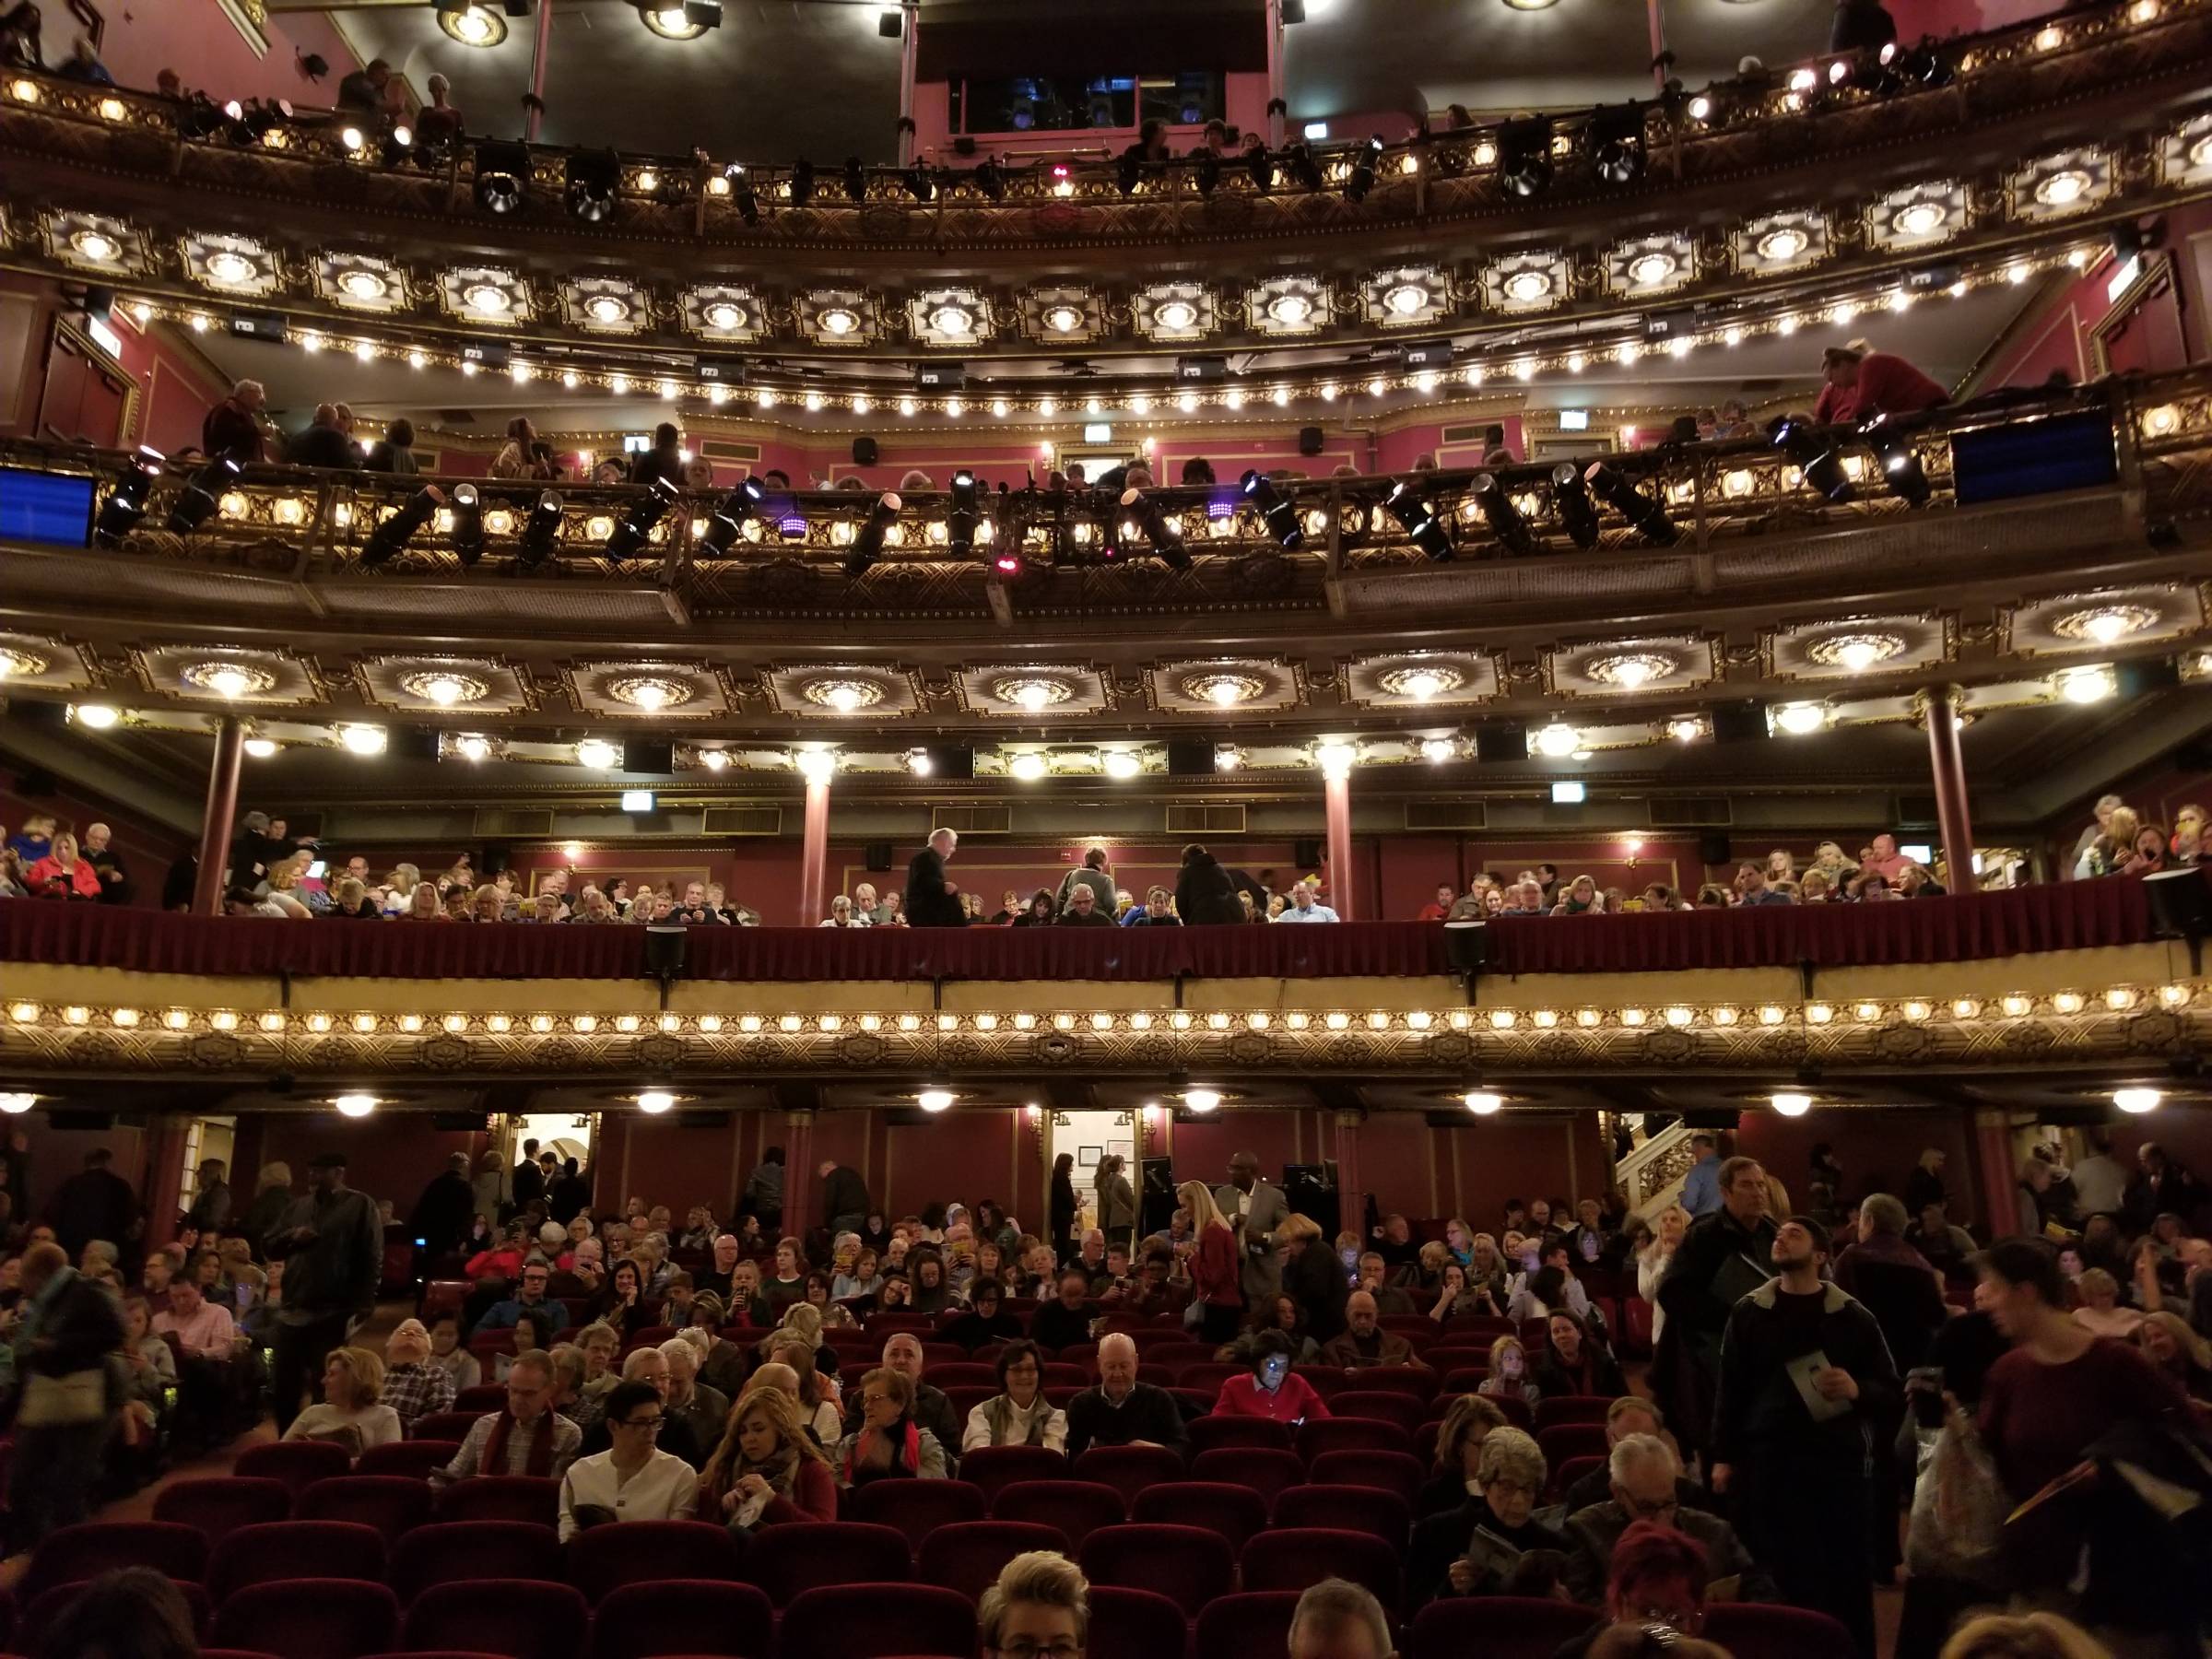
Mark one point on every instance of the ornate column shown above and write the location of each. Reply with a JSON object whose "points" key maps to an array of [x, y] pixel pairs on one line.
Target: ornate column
{"points": [[1337, 761], [817, 767], [214, 823], [1351, 1195], [798, 1171], [1939, 709]]}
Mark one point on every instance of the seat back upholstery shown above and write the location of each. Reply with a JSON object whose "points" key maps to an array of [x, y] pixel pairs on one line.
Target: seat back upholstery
{"points": [[452, 1552], [683, 1615], [969, 1555], [391, 1503], [1498, 1626], [1076, 1508], [916, 1508], [216, 1507], [1297, 1557], [1140, 1624], [600, 1557], [532, 1497], [1187, 1565], [298, 1464], [992, 1467], [1237, 1513], [72, 1554], [789, 1560], [310, 1619], [876, 1622], [282, 1550], [517, 1617]]}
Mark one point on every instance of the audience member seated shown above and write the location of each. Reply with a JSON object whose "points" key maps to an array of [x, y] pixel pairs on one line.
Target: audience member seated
{"points": [[1458, 1455], [1018, 1415], [352, 1413], [701, 1410], [1576, 1362], [1631, 1414], [1039, 1608], [1863, 382], [633, 1480], [985, 1321], [1364, 1342], [1658, 1581], [1119, 1410], [415, 1384], [1065, 1322], [889, 1443], [529, 1298], [204, 1339], [1271, 1389], [149, 1374], [768, 1468], [448, 1354], [1644, 1477], [1509, 1372], [1444, 1560], [902, 1353], [526, 1438], [650, 1365]]}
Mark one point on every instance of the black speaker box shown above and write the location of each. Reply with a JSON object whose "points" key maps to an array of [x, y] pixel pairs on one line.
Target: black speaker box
{"points": [[415, 743], [1713, 846], [951, 760], [1305, 854], [1155, 1189], [46, 716], [34, 782], [1189, 758], [460, 1122], [665, 950], [1739, 721], [1309, 441], [2154, 673], [880, 855], [99, 1122], [497, 856], [1501, 742], [645, 755], [100, 301], [865, 451], [1312, 1190]]}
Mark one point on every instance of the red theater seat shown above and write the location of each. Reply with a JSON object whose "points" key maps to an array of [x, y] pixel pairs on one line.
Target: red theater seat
{"points": [[216, 1507], [878, 1621], [789, 1560], [1398, 1472], [1264, 1471], [294, 1549], [484, 1397], [1074, 1508], [683, 1615], [1187, 1565], [38, 1614], [1365, 1509], [391, 1503], [633, 1552], [1407, 1411], [1563, 1441], [1566, 1474], [520, 1619], [1555, 1409], [414, 1459], [969, 1555], [1234, 1511], [1758, 1630], [1141, 1624], [994, 1468], [298, 1464], [1413, 1380], [311, 1619], [1207, 1433], [1351, 1434], [532, 1497], [454, 1551], [1253, 1621], [916, 1508], [1497, 1627], [445, 1426], [1462, 1379], [72, 1554], [1206, 1376], [1128, 1469], [1297, 1557], [963, 1373]]}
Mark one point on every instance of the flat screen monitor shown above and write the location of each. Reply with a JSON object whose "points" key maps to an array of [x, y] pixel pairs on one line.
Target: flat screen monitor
{"points": [[2034, 457], [50, 508]]}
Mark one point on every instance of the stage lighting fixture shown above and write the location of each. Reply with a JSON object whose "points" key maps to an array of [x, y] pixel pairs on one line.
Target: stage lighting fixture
{"points": [[632, 530], [1899, 461], [1809, 449], [991, 181], [729, 516], [202, 492], [1260, 166], [1616, 140], [1279, 515], [1645, 513], [399, 143], [1524, 157], [1925, 67], [960, 522], [541, 531], [1416, 516], [395, 533], [1571, 500], [856, 179], [919, 185], [868, 544], [1504, 518], [1128, 169], [126, 505], [202, 117], [593, 180], [468, 525], [1303, 167], [1160, 528], [741, 193], [1361, 179], [502, 176], [801, 183], [1205, 170]]}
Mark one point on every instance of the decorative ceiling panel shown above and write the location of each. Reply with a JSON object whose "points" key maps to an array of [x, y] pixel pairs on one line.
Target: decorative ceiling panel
{"points": [[1031, 690], [238, 266], [843, 691], [1843, 649], [221, 673], [360, 282], [1423, 679], [49, 664], [626, 689], [2100, 619], [1222, 686], [486, 294], [444, 685], [1662, 663]]}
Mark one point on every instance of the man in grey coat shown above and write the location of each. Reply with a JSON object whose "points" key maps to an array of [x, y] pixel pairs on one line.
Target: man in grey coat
{"points": [[1092, 875], [333, 1249], [1643, 1474], [1254, 1209]]}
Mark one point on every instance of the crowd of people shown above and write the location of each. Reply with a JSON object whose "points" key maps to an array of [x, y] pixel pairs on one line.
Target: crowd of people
{"points": [[1832, 1393]]}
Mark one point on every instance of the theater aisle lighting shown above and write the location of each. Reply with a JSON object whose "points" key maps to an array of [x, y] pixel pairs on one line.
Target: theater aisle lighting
{"points": [[126, 505], [356, 1105], [2137, 1100]]}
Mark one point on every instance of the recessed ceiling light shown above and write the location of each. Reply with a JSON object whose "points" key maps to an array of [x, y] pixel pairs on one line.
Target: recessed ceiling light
{"points": [[363, 739], [1800, 720], [1028, 766], [607, 308], [1527, 286], [2137, 1100], [1792, 1105], [356, 1105], [473, 26], [1202, 1100], [934, 1099], [1064, 319], [1482, 1102], [653, 1101], [724, 316], [1176, 314]]}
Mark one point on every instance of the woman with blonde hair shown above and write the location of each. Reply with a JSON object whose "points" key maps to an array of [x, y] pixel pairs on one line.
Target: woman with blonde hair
{"points": [[1509, 1370], [2101, 1313], [2168, 1343], [2029, 1636], [1216, 1276], [1314, 1277], [1458, 1445], [1782, 865], [767, 1470], [399, 887], [61, 874], [351, 1413], [1654, 1259], [425, 904]]}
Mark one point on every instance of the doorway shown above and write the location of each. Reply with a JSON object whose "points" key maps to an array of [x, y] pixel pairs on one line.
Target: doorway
{"points": [[566, 1134], [1088, 1136]]}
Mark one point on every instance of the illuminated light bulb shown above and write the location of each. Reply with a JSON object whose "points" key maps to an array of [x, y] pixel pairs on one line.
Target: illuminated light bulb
{"points": [[473, 748], [444, 691], [653, 1101], [1188, 402], [1202, 1100], [935, 1099], [260, 748], [1280, 397], [2106, 626], [1328, 392], [1576, 361], [363, 351], [468, 370], [1376, 387], [363, 739], [2088, 684], [1474, 375], [1525, 369], [955, 408], [1792, 1105], [1483, 1102], [1027, 766], [1558, 741], [1122, 763], [1046, 407], [1140, 405], [1800, 720], [906, 405], [2015, 273], [355, 1105], [2137, 1100], [598, 754]]}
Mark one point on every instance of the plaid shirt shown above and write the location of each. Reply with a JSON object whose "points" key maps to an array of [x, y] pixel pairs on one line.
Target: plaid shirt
{"points": [[416, 1391]]}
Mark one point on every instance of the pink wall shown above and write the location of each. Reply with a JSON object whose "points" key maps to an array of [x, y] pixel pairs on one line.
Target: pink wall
{"points": [[391, 1155], [196, 40], [1877, 1150]]}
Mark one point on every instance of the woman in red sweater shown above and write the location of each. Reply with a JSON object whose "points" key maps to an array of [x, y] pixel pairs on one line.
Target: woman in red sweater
{"points": [[767, 1470], [1271, 1391], [61, 874], [1214, 1274]]}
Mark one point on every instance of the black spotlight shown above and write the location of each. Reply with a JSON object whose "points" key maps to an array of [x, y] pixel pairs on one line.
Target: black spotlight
{"points": [[395, 532], [1361, 179], [630, 532], [1205, 170], [468, 525], [1899, 461], [1128, 169], [1926, 66], [541, 531], [728, 518], [2180, 908], [202, 492], [1279, 515], [502, 176], [991, 181], [867, 542], [1616, 145], [742, 194], [856, 179], [919, 185], [1416, 516], [1809, 448], [1644, 511], [1503, 517], [1303, 167], [1571, 500], [1524, 157], [126, 505], [1160, 528], [801, 183], [399, 144], [201, 117], [1260, 166], [959, 523]]}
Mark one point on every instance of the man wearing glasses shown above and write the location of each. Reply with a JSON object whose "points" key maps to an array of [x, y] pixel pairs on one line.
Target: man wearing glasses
{"points": [[1644, 1472], [633, 1481], [1039, 1609]]}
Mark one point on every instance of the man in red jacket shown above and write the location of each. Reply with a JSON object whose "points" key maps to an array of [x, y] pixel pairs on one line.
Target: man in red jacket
{"points": [[1863, 382]]}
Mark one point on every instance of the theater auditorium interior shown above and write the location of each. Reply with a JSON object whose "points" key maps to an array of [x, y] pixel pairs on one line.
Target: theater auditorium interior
{"points": [[922, 535]]}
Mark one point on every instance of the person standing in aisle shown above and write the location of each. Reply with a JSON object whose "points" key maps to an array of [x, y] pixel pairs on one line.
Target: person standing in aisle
{"points": [[333, 1249]]}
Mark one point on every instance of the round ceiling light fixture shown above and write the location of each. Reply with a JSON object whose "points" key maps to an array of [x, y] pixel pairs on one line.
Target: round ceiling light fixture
{"points": [[1292, 310], [598, 754], [228, 680], [2104, 624], [1123, 763], [843, 694], [840, 321], [1064, 319], [952, 321], [1525, 288], [14, 1102], [655, 1101], [365, 286], [96, 717], [1686, 728], [1028, 766], [935, 1099], [1201, 1099], [261, 749], [1558, 740], [1224, 690], [2063, 188], [1783, 244], [723, 317], [474, 747], [607, 309], [96, 246], [1919, 218], [1177, 315], [1407, 300], [2088, 684], [1856, 652], [1801, 719], [1649, 270], [473, 26], [1031, 692], [1790, 1104], [1483, 1102], [230, 267], [444, 687], [356, 1105], [1631, 671], [651, 692], [1530, 5], [2137, 1100], [17, 661], [671, 23], [1438, 750], [487, 299]]}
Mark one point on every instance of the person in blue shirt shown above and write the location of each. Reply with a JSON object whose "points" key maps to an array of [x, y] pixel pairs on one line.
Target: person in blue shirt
{"points": [[530, 1297], [1751, 883], [1302, 907], [1157, 911], [1701, 1186]]}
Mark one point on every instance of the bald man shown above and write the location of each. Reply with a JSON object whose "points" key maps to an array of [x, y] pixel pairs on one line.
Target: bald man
{"points": [[1364, 1342], [1121, 1411]]}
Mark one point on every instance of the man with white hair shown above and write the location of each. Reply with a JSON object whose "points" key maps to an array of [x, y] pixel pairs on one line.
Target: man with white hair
{"points": [[932, 901], [1121, 1411], [1338, 1619], [1644, 1472], [231, 430], [933, 1411], [691, 1402], [651, 1364], [98, 850]]}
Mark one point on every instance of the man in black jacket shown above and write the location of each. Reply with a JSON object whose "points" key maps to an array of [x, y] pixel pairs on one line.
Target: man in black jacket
{"points": [[69, 1328], [333, 1249], [844, 1198], [95, 1202], [1808, 1396], [1722, 1258], [1083, 912], [325, 442], [447, 1204], [931, 899], [664, 461], [115, 884], [1121, 1411], [1205, 894], [527, 1181]]}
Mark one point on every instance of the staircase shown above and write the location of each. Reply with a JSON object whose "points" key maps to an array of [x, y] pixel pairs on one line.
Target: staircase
{"points": [[1653, 1174]]}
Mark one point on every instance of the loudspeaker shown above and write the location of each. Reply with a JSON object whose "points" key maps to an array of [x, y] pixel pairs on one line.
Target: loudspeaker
{"points": [[1156, 1194], [645, 755], [865, 451], [1194, 757], [665, 950], [100, 301], [1739, 721], [1312, 1190], [702, 1120], [1306, 854], [460, 1122], [35, 781], [415, 743], [1501, 742], [1309, 441], [1713, 846], [1467, 945], [951, 760], [46, 716], [879, 856], [99, 1122], [2154, 673], [497, 856], [2181, 904]]}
